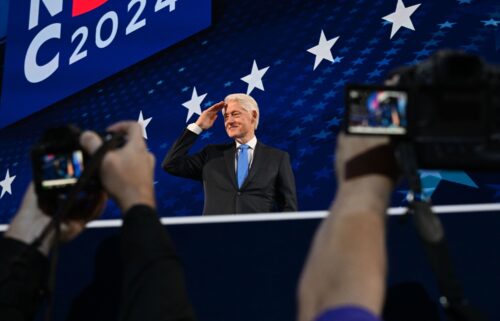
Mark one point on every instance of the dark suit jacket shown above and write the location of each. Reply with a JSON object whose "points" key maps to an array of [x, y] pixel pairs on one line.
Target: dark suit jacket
{"points": [[153, 286], [269, 187]]}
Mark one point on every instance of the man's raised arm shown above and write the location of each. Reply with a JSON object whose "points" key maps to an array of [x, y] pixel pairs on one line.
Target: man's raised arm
{"points": [[177, 161], [345, 272]]}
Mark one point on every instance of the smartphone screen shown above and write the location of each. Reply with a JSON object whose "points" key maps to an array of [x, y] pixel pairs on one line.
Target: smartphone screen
{"points": [[376, 111], [61, 169]]}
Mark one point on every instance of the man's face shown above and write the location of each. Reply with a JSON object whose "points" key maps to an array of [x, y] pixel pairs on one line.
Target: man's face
{"points": [[239, 122]]}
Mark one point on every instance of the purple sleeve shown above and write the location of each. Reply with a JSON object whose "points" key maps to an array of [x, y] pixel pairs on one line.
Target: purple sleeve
{"points": [[347, 313]]}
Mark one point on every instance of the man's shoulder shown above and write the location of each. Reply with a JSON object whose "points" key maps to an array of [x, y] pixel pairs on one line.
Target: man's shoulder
{"points": [[271, 150], [219, 147]]}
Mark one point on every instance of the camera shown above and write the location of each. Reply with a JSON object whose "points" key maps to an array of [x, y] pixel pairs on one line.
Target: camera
{"points": [[447, 107], [58, 162]]}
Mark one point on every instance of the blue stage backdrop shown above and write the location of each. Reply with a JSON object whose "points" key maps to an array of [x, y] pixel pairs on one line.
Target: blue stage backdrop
{"points": [[293, 56], [54, 44]]}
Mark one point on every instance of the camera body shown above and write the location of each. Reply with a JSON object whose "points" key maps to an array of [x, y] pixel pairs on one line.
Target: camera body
{"points": [[58, 162], [57, 159], [447, 107]]}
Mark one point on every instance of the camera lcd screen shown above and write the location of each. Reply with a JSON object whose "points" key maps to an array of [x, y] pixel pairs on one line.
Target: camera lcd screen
{"points": [[375, 111], [61, 169]]}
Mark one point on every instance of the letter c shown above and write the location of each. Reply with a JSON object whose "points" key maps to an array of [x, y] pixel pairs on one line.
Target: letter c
{"points": [[32, 70]]}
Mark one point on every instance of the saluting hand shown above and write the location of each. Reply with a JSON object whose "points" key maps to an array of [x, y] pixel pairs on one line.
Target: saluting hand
{"points": [[209, 115]]}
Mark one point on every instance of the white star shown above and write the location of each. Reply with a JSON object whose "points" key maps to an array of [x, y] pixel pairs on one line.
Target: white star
{"points": [[194, 105], [401, 17], [491, 22], [323, 49], [424, 174], [6, 184], [144, 124], [254, 79]]}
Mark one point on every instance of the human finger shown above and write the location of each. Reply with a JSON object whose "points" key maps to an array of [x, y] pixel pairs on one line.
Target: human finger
{"points": [[217, 107], [152, 159], [131, 129], [126, 126], [71, 229], [90, 141], [393, 81]]}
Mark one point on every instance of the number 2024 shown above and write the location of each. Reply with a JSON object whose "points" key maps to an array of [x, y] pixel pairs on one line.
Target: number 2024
{"points": [[36, 73], [135, 24]]}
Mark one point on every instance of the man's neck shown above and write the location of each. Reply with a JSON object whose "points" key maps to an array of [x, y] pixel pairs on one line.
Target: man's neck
{"points": [[244, 140]]}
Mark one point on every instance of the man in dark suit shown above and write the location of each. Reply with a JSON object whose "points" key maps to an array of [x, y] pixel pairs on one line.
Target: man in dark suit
{"points": [[244, 176]]}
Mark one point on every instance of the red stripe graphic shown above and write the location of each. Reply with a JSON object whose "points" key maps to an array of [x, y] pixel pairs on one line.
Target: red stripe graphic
{"points": [[83, 6]]}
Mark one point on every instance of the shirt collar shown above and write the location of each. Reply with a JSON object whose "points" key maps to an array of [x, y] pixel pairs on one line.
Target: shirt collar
{"points": [[251, 143]]}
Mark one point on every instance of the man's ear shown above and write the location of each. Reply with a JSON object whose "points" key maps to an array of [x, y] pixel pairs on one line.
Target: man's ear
{"points": [[254, 115]]}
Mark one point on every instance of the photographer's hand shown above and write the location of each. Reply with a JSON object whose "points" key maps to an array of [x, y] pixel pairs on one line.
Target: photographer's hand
{"points": [[127, 172], [347, 261], [30, 221]]}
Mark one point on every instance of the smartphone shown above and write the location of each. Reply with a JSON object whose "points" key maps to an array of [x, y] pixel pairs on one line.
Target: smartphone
{"points": [[374, 110]]}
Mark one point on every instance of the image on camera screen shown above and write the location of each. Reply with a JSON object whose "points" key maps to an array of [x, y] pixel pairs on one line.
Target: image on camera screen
{"points": [[374, 111], [61, 169]]}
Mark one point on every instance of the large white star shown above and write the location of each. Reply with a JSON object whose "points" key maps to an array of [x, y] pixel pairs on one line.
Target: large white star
{"points": [[254, 79], [323, 50], [144, 124], [401, 17], [194, 105], [6, 184]]}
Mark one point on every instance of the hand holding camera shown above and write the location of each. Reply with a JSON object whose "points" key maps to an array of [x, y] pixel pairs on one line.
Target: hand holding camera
{"points": [[126, 173], [116, 164], [58, 163], [444, 107]]}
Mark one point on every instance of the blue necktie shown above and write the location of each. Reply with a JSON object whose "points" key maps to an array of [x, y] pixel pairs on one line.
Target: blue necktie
{"points": [[242, 171]]}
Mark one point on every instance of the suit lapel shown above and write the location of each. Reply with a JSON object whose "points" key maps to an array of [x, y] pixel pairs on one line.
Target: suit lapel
{"points": [[229, 157], [256, 163]]}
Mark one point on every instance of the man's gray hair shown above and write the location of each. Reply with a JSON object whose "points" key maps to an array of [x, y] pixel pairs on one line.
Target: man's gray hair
{"points": [[246, 102]]}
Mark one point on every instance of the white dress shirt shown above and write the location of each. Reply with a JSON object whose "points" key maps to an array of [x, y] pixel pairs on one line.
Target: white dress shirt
{"points": [[251, 145]]}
